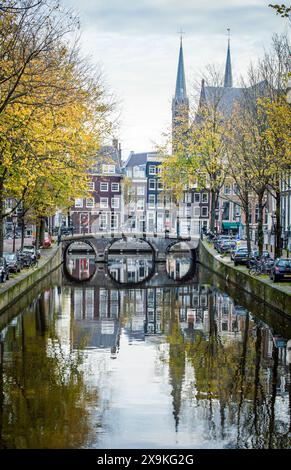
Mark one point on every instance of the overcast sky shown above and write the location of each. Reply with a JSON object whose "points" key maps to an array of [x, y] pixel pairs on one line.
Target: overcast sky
{"points": [[136, 44]]}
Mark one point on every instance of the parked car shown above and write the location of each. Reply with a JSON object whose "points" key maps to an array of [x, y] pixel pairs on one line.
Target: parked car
{"points": [[13, 262], [226, 246], [32, 250], [240, 256], [220, 239], [26, 259], [281, 269], [4, 271]]}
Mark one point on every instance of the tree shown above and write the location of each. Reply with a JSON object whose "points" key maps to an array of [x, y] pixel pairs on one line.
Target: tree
{"points": [[53, 110], [281, 10], [198, 158]]}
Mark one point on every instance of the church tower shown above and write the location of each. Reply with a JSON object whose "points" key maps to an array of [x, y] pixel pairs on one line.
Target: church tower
{"points": [[180, 102]]}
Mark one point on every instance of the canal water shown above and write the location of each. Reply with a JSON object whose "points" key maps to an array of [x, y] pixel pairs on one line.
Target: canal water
{"points": [[135, 356]]}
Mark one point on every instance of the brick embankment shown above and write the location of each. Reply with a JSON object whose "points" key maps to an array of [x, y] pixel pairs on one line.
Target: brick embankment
{"points": [[278, 295], [18, 285]]}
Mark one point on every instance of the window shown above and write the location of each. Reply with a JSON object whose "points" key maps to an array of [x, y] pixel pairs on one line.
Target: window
{"points": [[115, 203], [114, 187], [204, 211], [108, 169], [103, 186], [188, 197], [160, 200], [114, 221], [103, 221], [197, 197], [140, 190], [140, 205], [257, 214], [205, 198], [227, 189], [196, 212], [265, 216], [225, 211], [152, 184], [152, 200], [160, 184], [91, 185], [152, 169], [138, 172], [78, 202], [90, 202], [103, 202], [236, 211]]}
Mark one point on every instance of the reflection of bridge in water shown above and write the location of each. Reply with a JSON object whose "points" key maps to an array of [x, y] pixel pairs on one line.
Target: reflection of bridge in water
{"points": [[131, 271]]}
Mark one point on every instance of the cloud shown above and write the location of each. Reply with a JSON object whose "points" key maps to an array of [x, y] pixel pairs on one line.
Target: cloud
{"points": [[137, 44], [166, 16]]}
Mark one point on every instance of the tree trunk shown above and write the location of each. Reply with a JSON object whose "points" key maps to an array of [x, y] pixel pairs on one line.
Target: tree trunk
{"points": [[1, 225], [213, 203], [22, 232], [248, 232], [278, 228], [41, 231], [37, 235], [260, 224]]}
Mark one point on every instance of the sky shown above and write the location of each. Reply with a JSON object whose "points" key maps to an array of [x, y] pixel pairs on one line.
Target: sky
{"points": [[136, 45]]}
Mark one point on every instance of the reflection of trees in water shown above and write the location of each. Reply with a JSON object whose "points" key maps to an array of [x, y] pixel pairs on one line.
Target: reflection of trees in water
{"points": [[236, 384], [45, 398]]}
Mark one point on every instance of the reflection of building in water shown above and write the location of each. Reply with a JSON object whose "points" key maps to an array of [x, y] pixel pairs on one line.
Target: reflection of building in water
{"points": [[80, 267], [130, 269], [193, 308], [178, 265], [96, 315]]}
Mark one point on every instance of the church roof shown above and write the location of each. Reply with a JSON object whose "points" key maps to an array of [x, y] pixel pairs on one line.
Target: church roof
{"points": [[223, 98]]}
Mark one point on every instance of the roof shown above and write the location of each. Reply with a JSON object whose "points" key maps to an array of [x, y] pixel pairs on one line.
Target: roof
{"points": [[138, 159], [223, 97]]}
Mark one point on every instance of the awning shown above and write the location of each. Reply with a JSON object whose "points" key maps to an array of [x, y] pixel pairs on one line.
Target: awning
{"points": [[230, 225]]}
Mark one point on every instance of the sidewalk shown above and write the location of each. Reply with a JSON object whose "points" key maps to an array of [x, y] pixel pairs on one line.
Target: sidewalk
{"points": [[15, 278], [284, 286]]}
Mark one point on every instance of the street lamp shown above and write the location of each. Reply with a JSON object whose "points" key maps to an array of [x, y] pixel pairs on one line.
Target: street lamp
{"points": [[14, 222]]}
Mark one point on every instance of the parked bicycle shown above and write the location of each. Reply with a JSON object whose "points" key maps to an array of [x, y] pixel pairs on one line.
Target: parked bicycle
{"points": [[260, 266]]}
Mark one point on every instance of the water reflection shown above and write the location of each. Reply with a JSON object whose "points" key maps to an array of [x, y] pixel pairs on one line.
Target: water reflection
{"points": [[193, 368], [179, 265], [130, 269], [80, 267]]}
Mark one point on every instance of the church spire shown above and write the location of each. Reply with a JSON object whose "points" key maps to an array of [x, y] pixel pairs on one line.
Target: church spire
{"points": [[180, 93], [228, 71], [180, 102]]}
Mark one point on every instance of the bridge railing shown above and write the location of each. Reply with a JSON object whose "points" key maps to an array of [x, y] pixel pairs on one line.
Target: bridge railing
{"points": [[126, 234]]}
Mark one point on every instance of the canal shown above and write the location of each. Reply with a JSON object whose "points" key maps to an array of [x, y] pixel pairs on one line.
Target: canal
{"points": [[175, 359]]}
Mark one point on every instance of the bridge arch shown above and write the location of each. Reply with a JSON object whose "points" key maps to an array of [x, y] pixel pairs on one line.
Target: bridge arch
{"points": [[68, 243]]}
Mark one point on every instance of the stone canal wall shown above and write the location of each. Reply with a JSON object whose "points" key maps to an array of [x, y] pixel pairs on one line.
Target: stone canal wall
{"points": [[273, 295], [14, 289]]}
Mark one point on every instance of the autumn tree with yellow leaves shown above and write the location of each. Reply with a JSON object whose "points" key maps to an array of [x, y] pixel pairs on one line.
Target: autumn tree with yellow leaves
{"points": [[53, 108]]}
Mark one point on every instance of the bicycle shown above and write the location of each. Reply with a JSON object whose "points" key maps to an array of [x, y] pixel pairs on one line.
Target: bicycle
{"points": [[260, 266]]}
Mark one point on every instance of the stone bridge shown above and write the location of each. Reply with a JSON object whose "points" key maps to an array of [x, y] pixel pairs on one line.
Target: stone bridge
{"points": [[159, 243]]}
